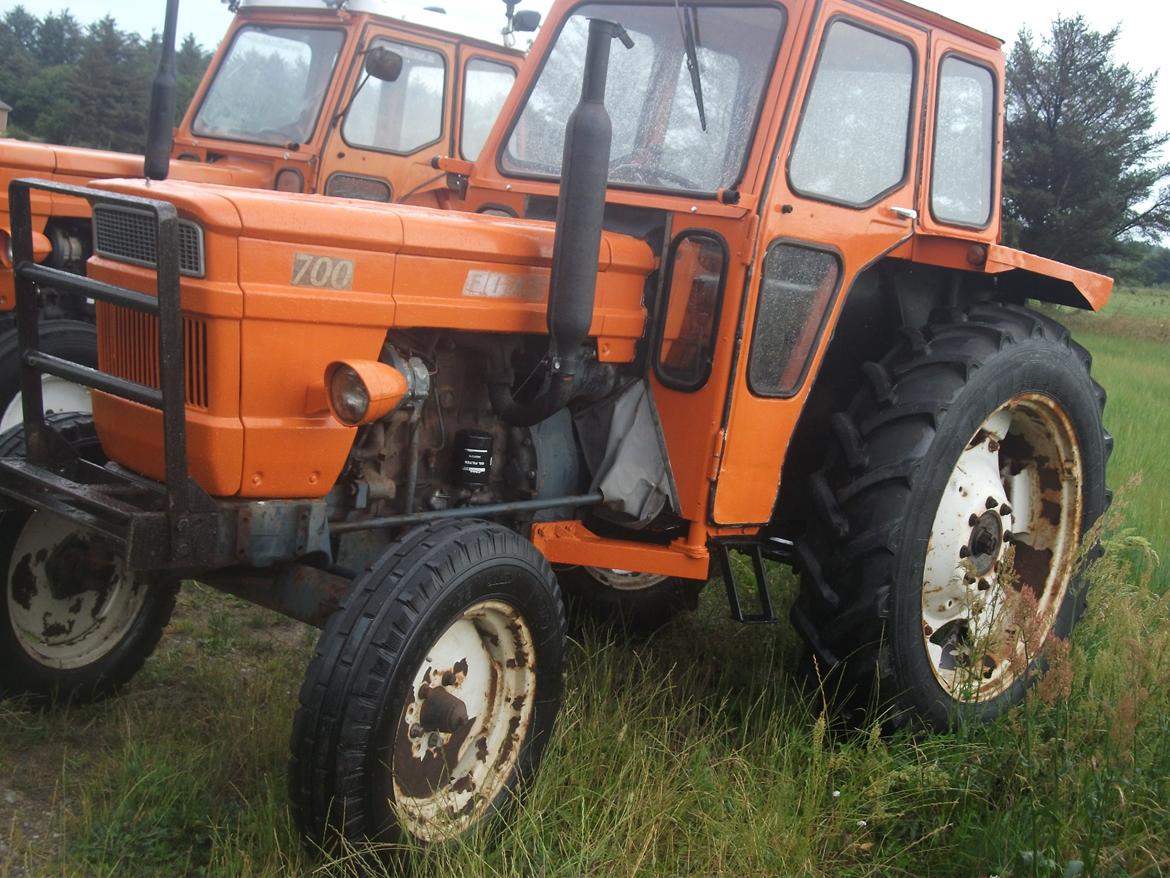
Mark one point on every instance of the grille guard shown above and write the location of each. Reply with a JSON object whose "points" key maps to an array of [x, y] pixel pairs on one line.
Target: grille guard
{"points": [[173, 525]]}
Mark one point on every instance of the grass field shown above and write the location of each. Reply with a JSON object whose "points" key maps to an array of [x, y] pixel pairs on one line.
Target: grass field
{"points": [[701, 752]]}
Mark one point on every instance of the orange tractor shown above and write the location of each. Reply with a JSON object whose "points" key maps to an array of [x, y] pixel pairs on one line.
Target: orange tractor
{"points": [[755, 303], [351, 100]]}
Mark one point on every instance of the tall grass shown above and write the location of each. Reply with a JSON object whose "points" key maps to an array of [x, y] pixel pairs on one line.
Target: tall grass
{"points": [[698, 753], [704, 751]]}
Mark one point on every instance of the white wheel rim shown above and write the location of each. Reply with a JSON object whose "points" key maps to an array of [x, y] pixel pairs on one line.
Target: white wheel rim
{"points": [[447, 774], [1002, 548], [59, 622], [59, 396], [624, 580]]}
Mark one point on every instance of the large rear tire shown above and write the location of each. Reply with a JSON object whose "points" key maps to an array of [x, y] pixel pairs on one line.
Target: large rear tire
{"points": [[433, 690], [74, 624], [946, 548]]}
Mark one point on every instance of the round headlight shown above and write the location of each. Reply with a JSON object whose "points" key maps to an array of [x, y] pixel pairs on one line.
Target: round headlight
{"points": [[6, 249], [348, 396]]}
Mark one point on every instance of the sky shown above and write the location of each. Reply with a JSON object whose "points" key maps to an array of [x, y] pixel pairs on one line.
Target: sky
{"points": [[1141, 45]]}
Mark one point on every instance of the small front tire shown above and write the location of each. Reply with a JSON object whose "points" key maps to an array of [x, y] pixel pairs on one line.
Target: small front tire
{"points": [[433, 690], [75, 625]]}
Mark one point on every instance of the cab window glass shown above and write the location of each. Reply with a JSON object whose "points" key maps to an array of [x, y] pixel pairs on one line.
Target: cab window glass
{"points": [[484, 91], [270, 85], [964, 144], [659, 139], [852, 144], [691, 313], [796, 290], [401, 116]]}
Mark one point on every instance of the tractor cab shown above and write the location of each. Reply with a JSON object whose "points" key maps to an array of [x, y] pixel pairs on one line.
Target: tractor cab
{"points": [[350, 101]]}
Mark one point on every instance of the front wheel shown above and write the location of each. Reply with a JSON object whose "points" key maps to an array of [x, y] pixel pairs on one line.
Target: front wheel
{"points": [[947, 550], [433, 690], [75, 625]]}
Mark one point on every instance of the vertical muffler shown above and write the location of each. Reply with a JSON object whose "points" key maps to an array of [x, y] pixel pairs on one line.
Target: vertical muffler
{"points": [[161, 123], [577, 246]]}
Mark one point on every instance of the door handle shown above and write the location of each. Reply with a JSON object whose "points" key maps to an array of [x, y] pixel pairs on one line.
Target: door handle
{"points": [[904, 212]]}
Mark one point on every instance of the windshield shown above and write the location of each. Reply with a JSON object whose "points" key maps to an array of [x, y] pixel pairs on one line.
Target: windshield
{"points": [[270, 85], [658, 140]]}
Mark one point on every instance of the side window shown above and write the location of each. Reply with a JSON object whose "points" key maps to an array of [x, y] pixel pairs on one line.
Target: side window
{"points": [[796, 290], [686, 343], [964, 144], [485, 88], [855, 129], [401, 116]]}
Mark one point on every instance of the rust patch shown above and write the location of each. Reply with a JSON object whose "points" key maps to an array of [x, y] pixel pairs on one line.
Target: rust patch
{"points": [[510, 741], [481, 749], [55, 629], [24, 583], [1032, 566], [422, 777], [1050, 511]]}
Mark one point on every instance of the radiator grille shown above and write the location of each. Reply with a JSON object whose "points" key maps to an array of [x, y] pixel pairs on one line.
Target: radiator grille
{"points": [[128, 348], [131, 236]]}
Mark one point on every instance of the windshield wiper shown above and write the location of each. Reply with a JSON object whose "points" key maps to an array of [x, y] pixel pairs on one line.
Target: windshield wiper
{"points": [[688, 35]]}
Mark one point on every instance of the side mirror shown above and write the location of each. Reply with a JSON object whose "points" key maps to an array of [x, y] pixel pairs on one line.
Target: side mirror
{"points": [[526, 21], [383, 64]]}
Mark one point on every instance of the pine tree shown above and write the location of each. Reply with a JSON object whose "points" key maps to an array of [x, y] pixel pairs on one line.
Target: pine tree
{"points": [[1081, 171]]}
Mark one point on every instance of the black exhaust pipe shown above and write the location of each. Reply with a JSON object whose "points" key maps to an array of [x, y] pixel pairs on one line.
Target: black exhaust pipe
{"points": [[577, 246], [161, 125]]}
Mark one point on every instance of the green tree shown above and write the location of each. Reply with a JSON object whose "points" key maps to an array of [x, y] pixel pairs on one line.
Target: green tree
{"points": [[58, 39], [1082, 168]]}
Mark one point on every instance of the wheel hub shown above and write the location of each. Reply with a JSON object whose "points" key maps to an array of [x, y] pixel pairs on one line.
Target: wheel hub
{"points": [[986, 543]]}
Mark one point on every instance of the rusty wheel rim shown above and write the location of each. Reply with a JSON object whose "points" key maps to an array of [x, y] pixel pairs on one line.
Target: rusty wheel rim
{"points": [[1002, 548], [624, 580], [460, 733], [70, 602]]}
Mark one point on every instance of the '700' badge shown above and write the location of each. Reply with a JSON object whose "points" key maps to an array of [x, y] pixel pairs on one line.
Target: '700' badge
{"points": [[323, 272]]}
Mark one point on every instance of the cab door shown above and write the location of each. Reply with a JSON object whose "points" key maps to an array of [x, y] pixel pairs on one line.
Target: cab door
{"points": [[381, 149], [842, 196]]}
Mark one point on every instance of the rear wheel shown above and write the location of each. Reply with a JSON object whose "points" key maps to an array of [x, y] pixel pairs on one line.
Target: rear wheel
{"points": [[74, 623], [68, 339], [947, 548], [433, 690], [639, 602]]}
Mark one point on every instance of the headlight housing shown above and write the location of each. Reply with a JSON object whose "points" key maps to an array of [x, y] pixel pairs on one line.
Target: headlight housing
{"points": [[363, 391]]}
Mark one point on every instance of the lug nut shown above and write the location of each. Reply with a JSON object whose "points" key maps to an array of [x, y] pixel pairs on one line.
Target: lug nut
{"points": [[992, 502]]}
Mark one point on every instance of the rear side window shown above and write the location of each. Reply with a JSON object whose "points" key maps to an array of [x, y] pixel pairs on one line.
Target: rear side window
{"points": [[855, 129], [485, 89], [401, 116], [797, 288], [964, 144]]}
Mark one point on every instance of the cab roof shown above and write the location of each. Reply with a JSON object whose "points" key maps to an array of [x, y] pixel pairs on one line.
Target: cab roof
{"points": [[398, 11]]}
